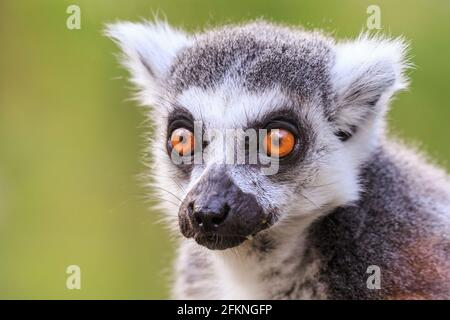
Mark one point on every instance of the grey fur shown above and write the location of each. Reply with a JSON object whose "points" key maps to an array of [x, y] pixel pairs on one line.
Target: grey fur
{"points": [[350, 199], [260, 56]]}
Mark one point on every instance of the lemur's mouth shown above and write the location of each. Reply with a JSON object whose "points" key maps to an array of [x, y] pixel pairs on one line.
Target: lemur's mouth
{"points": [[219, 239], [219, 242]]}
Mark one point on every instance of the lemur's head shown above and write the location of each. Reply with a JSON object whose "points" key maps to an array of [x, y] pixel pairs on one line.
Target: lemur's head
{"points": [[258, 125]]}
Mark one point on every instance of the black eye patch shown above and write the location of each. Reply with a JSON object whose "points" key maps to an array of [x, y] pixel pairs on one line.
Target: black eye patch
{"points": [[179, 118], [288, 119]]}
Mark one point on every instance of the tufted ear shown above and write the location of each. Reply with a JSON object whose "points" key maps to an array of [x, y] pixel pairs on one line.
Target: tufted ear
{"points": [[365, 74], [149, 50]]}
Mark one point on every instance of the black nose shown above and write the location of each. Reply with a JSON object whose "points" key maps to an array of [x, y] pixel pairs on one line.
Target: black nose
{"points": [[209, 218]]}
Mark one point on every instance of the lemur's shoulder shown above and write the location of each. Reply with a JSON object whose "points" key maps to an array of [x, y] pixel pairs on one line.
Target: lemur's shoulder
{"points": [[401, 224]]}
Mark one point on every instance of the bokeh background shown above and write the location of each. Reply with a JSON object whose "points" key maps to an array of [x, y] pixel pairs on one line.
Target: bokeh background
{"points": [[71, 140]]}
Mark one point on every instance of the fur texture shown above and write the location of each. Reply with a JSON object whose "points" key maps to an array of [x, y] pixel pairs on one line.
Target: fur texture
{"points": [[349, 199]]}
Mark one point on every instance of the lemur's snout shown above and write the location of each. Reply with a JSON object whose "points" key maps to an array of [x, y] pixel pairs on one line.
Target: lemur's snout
{"points": [[218, 214]]}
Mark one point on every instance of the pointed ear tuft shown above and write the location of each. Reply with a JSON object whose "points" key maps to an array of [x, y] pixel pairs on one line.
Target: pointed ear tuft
{"points": [[149, 49], [365, 74]]}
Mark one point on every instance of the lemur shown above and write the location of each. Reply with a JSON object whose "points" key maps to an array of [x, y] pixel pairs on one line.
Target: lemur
{"points": [[345, 196]]}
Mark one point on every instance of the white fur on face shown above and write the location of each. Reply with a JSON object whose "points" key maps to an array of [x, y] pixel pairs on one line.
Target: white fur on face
{"points": [[230, 105]]}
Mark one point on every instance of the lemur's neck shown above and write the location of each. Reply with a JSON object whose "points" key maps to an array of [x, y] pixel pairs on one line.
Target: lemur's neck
{"points": [[269, 265]]}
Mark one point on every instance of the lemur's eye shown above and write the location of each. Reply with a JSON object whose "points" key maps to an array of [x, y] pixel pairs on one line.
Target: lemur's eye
{"points": [[279, 143], [182, 141]]}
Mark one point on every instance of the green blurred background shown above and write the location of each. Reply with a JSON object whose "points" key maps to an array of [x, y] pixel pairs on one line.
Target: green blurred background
{"points": [[70, 141]]}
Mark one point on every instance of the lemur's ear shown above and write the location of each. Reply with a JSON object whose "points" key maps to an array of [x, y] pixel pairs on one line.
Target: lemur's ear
{"points": [[365, 74], [149, 50]]}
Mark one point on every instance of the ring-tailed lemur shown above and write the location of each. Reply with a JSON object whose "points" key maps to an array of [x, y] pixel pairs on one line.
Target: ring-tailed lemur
{"points": [[344, 197]]}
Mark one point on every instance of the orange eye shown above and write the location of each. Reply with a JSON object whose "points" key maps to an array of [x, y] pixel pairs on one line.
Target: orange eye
{"points": [[182, 141], [279, 143]]}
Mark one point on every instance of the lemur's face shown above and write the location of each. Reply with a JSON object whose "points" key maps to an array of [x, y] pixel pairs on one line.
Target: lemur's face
{"points": [[256, 126]]}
